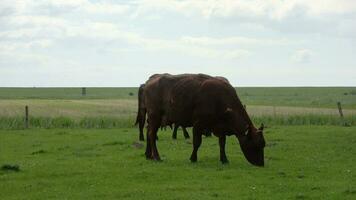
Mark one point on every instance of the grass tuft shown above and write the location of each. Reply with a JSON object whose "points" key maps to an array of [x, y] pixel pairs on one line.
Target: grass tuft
{"points": [[9, 167]]}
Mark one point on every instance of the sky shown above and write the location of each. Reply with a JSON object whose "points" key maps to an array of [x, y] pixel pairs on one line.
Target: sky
{"points": [[82, 43]]}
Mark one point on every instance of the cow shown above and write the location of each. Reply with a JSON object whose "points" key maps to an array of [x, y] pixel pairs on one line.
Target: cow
{"points": [[206, 103], [141, 113], [141, 117]]}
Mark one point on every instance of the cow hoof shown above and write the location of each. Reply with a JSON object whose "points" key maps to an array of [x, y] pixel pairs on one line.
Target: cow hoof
{"points": [[193, 159], [224, 162], [156, 158], [148, 156]]}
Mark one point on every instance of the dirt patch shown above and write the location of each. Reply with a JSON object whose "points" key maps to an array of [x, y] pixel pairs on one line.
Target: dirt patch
{"points": [[113, 143], [137, 145]]}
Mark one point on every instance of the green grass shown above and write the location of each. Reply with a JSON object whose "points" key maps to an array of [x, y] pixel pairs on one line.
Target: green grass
{"points": [[303, 162], [320, 97], [128, 121], [116, 108], [68, 93], [69, 108], [121, 113]]}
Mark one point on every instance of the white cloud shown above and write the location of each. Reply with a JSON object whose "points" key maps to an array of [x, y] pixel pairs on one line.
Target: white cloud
{"points": [[236, 40], [273, 9], [81, 35], [11, 46], [106, 8], [302, 56]]}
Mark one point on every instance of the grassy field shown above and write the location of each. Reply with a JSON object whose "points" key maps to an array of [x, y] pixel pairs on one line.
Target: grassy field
{"points": [[303, 162], [68, 93], [123, 107], [117, 107], [318, 97], [86, 160]]}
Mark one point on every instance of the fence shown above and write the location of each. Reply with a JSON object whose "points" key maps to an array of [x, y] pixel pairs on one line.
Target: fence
{"points": [[266, 114]]}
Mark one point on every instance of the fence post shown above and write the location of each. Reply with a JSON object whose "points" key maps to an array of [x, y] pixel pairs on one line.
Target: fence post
{"points": [[274, 111], [343, 121], [340, 109], [26, 117], [84, 91]]}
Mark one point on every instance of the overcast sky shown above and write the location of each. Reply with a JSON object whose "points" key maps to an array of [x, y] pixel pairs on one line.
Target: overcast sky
{"points": [[121, 43]]}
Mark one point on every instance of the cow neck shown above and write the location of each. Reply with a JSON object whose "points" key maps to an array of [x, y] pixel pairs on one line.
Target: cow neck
{"points": [[248, 123]]}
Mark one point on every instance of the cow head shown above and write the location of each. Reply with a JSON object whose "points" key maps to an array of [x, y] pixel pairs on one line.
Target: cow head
{"points": [[252, 144]]}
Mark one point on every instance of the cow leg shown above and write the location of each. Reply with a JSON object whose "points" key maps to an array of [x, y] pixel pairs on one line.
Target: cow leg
{"points": [[174, 135], [151, 147], [185, 133], [141, 126], [148, 147], [153, 138], [222, 141], [197, 133], [153, 126]]}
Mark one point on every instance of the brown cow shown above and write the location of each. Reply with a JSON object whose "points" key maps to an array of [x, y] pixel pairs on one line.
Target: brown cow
{"points": [[141, 113], [209, 105]]}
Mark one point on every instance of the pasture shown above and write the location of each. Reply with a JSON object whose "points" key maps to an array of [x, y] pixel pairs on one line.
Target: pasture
{"points": [[86, 147], [117, 107], [303, 162], [319, 97]]}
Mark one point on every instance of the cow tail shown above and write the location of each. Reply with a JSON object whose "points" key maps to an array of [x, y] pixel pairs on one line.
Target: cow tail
{"points": [[141, 113]]}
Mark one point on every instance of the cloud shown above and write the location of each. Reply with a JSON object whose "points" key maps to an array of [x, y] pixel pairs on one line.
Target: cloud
{"points": [[235, 40], [184, 35], [106, 8], [292, 16], [272, 9], [302, 56]]}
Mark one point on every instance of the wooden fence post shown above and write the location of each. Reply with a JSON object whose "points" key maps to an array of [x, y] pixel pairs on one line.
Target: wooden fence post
{"points": [[343, 121], [26, 117], [84, 91], [340, 109]]}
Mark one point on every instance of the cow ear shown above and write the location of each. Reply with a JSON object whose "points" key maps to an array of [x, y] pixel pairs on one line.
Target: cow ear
{"points": [[261, 127]]}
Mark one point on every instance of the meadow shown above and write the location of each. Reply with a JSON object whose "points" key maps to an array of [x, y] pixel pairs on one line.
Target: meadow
{"points": [[117, 107], [320, 97], [302, 162], [86, 147]]}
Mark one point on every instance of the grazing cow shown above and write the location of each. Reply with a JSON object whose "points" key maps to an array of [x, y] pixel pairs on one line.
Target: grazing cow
{"points": [[208, 104], [141, 113]]}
